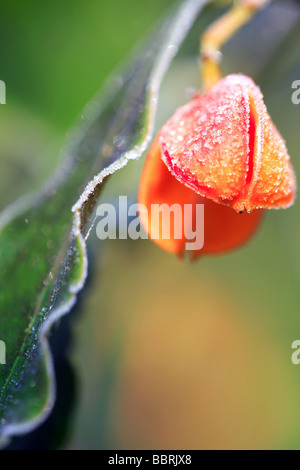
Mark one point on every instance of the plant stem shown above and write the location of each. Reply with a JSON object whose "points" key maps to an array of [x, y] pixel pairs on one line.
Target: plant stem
{"points": [[220, 32]]}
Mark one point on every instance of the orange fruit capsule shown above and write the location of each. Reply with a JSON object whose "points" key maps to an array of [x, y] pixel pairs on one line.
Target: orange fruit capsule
{"points": [[221, 150]]}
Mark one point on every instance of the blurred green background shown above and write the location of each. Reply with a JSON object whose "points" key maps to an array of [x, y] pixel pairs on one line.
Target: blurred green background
{"points": [[168, 354]]}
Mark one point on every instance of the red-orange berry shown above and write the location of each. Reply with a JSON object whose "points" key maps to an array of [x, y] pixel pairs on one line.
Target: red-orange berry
{"points": [[221, 150]]}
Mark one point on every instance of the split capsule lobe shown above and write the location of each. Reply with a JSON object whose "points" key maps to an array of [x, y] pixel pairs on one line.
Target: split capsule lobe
{"points": [[224, 146]]}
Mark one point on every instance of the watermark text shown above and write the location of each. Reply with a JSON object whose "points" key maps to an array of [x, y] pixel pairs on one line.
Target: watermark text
{"points": [[2, 353], [296, 93], [2, 92], [161, 221]]}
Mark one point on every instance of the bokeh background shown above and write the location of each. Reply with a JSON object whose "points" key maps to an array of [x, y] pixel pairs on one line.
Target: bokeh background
{"points": [[167, 354]]}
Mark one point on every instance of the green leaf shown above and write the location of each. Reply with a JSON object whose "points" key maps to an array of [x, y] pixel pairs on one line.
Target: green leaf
{"points": [[43, 259]]}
